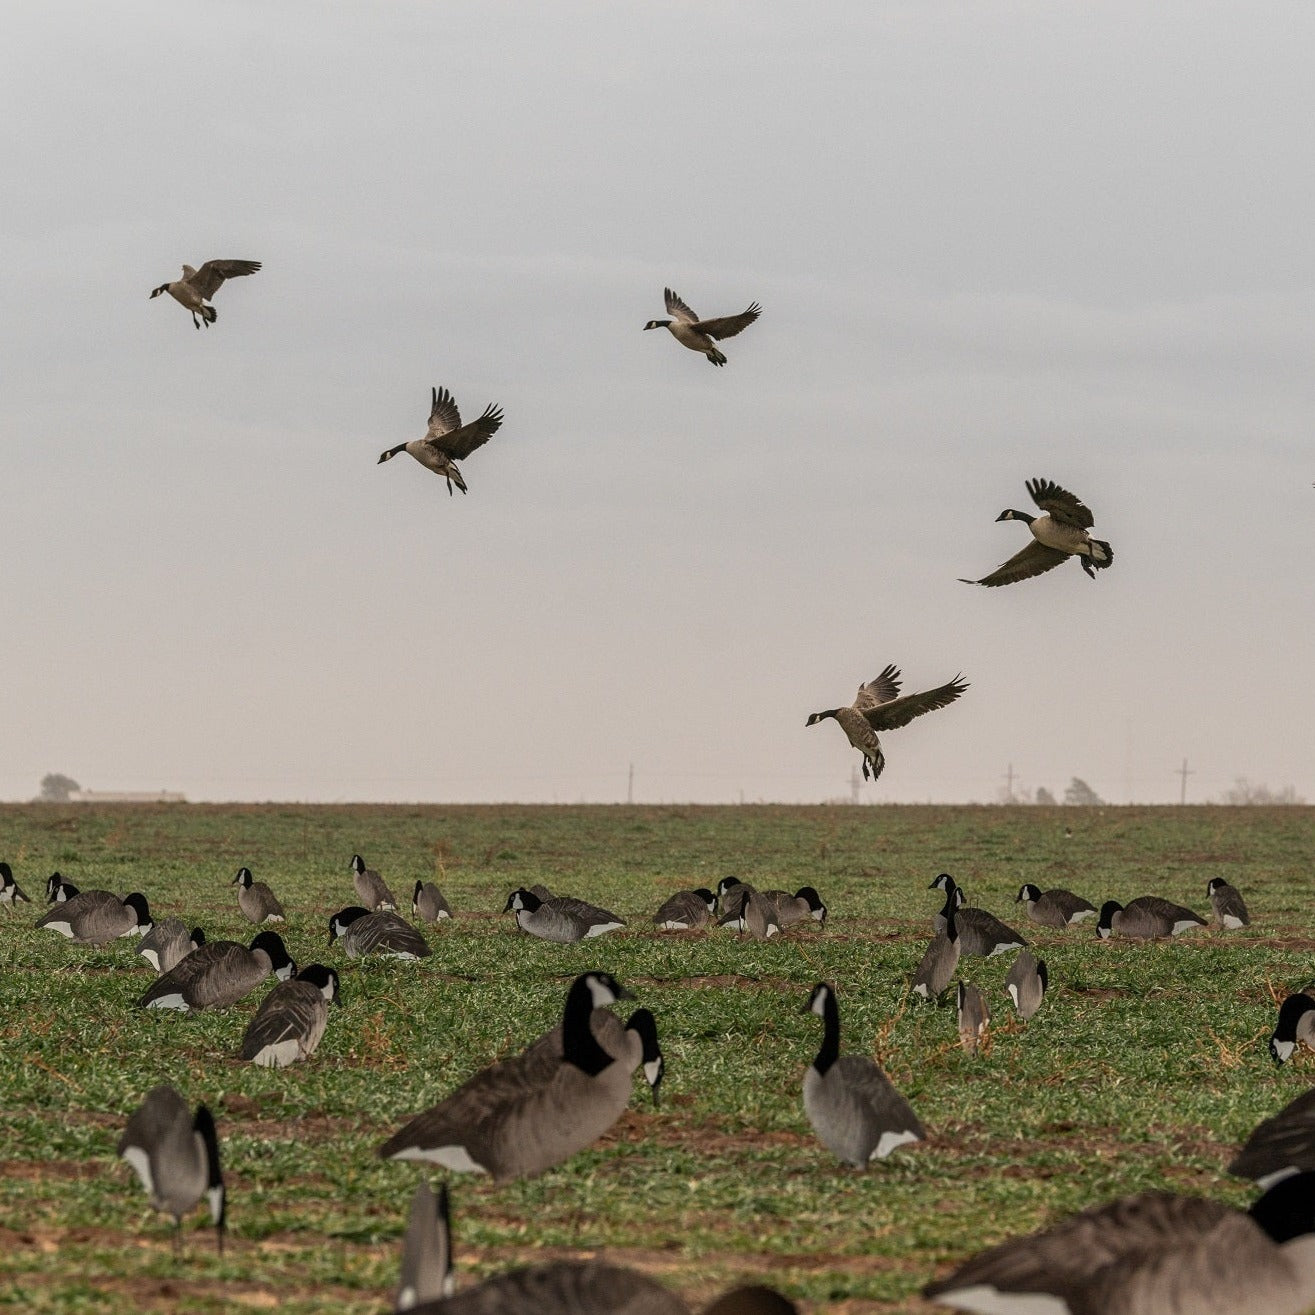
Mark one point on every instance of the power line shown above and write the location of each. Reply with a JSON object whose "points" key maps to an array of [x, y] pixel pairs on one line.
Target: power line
{"points": [[1184, 772]]}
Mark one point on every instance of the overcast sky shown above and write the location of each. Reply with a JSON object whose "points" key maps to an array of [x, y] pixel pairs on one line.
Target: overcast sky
{"points": [[991, 241]]}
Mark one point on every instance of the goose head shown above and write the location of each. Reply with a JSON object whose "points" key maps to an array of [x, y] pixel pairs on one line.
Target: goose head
{"points": [[653, 324], [1009, 514]]}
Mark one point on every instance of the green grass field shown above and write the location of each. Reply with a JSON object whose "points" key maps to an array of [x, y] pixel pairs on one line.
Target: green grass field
{"points": [[1145, 1067]]}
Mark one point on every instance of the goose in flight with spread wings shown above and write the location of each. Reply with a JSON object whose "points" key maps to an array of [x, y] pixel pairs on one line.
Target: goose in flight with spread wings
{"points": [[448, 440], [1058, 535], [879, 707], [197, 286], [696, 334]]}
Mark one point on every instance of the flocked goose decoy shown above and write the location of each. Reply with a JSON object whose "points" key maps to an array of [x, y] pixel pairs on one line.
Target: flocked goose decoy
{"points": [[1145, 918], [939, 961], [96, 917], [198, 286], [853, 1106], [257, 902], [428, 904], [686, 910], [59, 891], [386, 933], [1295, 1026], [974, 1016], [1053, 908], [219, 974], [690, 331], [558, 918], [1057, 535], [600, 919], [805, 903], [878, 707], [1229, 907], [176, 1156], [980, 932], [168, 943], [11, 893], [1026, 984], [291, 1018], [1282, 1145], [371, 889], [448, 440]]}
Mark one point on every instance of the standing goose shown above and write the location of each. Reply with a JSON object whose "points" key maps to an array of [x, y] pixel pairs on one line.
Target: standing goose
{"points": [[1281, 1146], [11, 893], [426, 1272], [503, 1123], [853, 1107], [59, 891], [291, 1018], [878, 707], [1145, 918], [939, 962], [219, 974], [197, 286], [686, 910], [448, 440], [1229, 907], [428, 904], [696, 334], [1056, 536], [540, 1059], [176, 1156], [370, 887], [1026, 984], [980, 932], [168, 943], [805, 903], [257, 902], [363, 932], [1295, 1026], [974, 1017], [96, 917], [1054, 908]]}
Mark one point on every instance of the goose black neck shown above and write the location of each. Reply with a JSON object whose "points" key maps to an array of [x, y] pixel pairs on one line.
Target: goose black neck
{"points": [[830, 1050], [579, 1045]]}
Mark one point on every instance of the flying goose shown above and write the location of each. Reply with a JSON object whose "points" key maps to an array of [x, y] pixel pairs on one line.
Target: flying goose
{"points": [[448, 440], [257, 902], [1152, 1254], [1056, 536], [690, 331], [59, 891], [505, 1123], [853, 1107], [805, 903], [1026, 984], [939, 961], [370, 887], [1145, 918], [1295, 1026], [686, 910], [197, 286], [219, 974], [363, 932], [1282, 1145], [974, 1017], [878, 707], [426, 1271], [1054, 908], [428, 904], [176, 1156], [11, 892], [980, 932], [1229, 907], [291, 1018], [96, 917], [169, 942]]}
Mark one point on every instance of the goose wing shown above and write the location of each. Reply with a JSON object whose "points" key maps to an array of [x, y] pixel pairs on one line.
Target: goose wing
{"points": [[1060, 504], [1035, 559], [462, 442], [444, 417], [877, 1094], [677, 307], [292, 1011], [729, 325], [210, 277], [219, 957], [899, 712], [880, 689]]}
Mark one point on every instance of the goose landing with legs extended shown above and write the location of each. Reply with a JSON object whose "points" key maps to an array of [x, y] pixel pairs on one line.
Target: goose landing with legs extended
{"points": [[198, 286], [448, 440]]}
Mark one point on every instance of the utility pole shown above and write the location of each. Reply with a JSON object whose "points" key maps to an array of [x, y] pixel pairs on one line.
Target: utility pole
{"points": [[853, 785], [1009, 784], [1184, 773], [630, 786]]}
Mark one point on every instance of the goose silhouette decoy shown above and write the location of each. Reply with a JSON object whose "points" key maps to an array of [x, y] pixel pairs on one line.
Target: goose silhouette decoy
{"points": [[426, 1272], [371, 889], [879, 707], [1026, 984], [1057, 535], [168, 943], [939, 961], [385, 933], [448, 440], [980, 933], [428, 904], [11, 893], [756, 917], [96, 917], [974, 1016], [805, 903], [1226, 901], [176, 1156], [698, 335], [686, 910], [198, 286], [291, 1019], [1053, 908], [219, 974], [1295, 1026], [1146, 918], [257, 902]]}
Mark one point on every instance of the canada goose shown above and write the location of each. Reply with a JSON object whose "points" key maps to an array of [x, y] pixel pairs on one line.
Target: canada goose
{"points": [[59, 891], [756, 918], [537, 1062], [197, 286], [558, 918], [1145, 918], [1282, 1145], [855, 1111], [731, 894], [11, 892], [96, 917], [363, 932], [219, 974], [974, 1017], [503, 1123], [1229, 907], [805, 903], [169, 942], [1152, 1254], [426, 1271], [428, 904], [1054, 908], [690, 331], [980, 933], [257, 902], [600, 919], [291, 1018], [1026, 984], [448, 440], [878, 707], [1058, 535], [371, 889], [176, 1156], [1295, 1026], [686, 910], [939, 961]]}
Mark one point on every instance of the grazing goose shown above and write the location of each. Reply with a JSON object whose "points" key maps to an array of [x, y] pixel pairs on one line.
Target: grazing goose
{"points": [[448, 440], [1056, 536], [696, 334], [559, 918], [11, 892], [1282, 1145], [504, 1122], [939, 961], [1145, 918], [1229, 907], [731, 894], [428, 904], [426, 1273], [59, 891], [878, 707], [855, 1111], [686, 910], [363, 932], [1026, 984], [1152, 1254], [257, 902], [197, 286], [805, 903], [96, 917], [371, 889], [601, 919], [974, 1016], [176, 1156], [291, 1018], [168, 943], [756, 918], [219, 974], [980, 933], [1295, 1026], [1054, 908]]}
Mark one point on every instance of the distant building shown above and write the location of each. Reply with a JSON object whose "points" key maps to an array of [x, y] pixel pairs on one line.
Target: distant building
{"points": [[126, 797]]}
